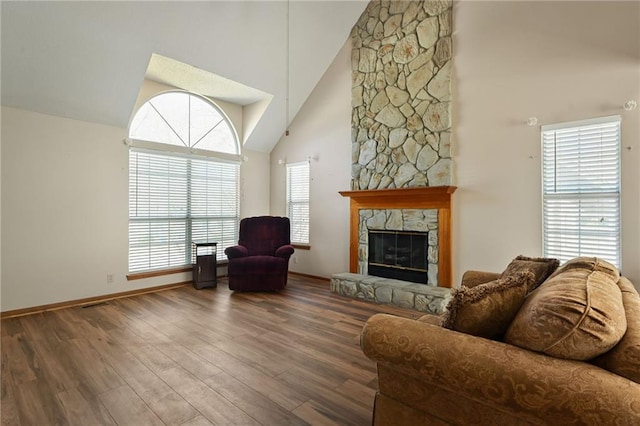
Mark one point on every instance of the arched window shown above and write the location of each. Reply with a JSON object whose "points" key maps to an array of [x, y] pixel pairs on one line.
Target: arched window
{"points": [[184, 119], [175, 196]]}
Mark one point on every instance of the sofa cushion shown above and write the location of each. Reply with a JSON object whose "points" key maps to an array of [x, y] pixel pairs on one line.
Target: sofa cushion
{"points": [[486, 310], [541, 267], [624, 358], [430, 319], [577, 313], [590, 263]]}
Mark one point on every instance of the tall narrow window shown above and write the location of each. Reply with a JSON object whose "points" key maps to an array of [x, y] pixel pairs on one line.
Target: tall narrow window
{"points": [[176, 197], [581, 189], [298, 201]]}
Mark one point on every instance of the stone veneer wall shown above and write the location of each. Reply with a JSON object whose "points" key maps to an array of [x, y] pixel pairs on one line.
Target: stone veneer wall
{"points": [[401, 95]]}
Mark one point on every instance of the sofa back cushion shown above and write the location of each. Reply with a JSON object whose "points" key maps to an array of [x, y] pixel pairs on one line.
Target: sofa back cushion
{"points": [[591, 264], [576, 314], [263, 235], [624, 358], [486, 310]]}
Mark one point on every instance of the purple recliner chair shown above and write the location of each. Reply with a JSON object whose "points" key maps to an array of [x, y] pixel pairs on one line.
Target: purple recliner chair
{"points": [[260, 261]]}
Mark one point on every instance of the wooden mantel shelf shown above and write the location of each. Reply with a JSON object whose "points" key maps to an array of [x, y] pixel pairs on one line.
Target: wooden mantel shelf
{"points": [[430, 197]]}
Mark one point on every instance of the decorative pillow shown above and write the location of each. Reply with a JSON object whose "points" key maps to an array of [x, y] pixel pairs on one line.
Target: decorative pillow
{"points": [[541, 267], [575, 314], [473, 278], [486, 310], [624, 358]]}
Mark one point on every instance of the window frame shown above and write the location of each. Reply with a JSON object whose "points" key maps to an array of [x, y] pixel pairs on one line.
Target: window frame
{"points": [[190, 153], [303, 226], [601, 195], [186, 149]]}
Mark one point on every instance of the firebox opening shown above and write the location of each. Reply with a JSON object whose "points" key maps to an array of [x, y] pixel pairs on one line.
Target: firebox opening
{"points": [[398, 254]]}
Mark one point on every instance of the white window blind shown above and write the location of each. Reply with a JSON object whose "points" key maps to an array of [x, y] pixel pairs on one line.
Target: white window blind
{"points": [[174, 199], [298, 201], [581, 189]]}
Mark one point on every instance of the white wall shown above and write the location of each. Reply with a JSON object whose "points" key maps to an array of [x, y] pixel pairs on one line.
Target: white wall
{"points": [[321, 129], [559, 62], [65, 209], [254, 184]]}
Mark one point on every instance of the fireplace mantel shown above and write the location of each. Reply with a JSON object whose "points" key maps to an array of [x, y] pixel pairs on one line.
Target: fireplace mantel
{"points": [[430, 197]]}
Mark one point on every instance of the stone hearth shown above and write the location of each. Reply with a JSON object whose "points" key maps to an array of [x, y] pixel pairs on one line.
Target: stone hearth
{"points": [[423, 298]]}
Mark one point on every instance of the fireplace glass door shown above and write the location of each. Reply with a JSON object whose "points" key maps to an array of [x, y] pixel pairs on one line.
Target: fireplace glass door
{"points": [[398, 254]]}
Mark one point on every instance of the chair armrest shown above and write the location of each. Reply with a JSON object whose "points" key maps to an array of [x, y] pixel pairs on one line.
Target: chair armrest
{"points": [[474, 278], [285, 251], [529, 385], [235, 252]]}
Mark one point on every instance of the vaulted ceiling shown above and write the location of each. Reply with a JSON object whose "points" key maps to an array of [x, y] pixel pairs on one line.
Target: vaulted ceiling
{"points": [[87, 60]]}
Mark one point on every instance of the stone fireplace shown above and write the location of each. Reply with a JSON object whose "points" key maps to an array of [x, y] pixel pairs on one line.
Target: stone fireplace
{"points": [[401, 145], [426, 209]]}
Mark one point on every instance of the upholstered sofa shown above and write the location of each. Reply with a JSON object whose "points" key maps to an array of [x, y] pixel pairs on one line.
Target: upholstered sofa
{"points": [[520, 347]]}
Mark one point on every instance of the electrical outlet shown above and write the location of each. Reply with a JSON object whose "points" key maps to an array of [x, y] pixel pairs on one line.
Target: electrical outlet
{"points": [[295, 259], [109, 278]]}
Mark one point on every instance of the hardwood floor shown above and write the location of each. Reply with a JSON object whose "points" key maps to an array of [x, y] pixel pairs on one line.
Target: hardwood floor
{"points": [[193, 357]]}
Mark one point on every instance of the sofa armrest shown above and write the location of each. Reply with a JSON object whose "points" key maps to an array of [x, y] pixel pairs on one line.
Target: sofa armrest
{"points": [[474, 278], [235, 252], [285, 251], [531, 386]]}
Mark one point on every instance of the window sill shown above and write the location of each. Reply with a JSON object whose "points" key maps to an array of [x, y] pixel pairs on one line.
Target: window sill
{"points": [[157, 273], [162, 272], [301, 246]]}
